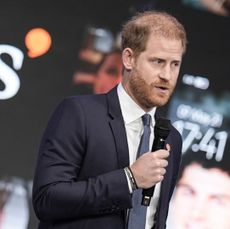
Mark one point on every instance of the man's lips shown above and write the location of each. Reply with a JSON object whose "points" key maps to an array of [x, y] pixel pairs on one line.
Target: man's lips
{"points": [[162, 87]]}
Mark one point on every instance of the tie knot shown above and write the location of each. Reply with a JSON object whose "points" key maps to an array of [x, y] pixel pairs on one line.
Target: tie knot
{"points": [[146, 119]]}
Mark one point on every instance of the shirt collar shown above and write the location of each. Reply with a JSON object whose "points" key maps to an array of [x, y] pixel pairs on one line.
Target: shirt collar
{"points": [[131, 111]]}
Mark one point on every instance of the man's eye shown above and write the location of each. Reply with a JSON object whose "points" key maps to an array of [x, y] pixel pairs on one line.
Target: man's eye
{"points": [[176, 64], [217, 200], [158, 61]]}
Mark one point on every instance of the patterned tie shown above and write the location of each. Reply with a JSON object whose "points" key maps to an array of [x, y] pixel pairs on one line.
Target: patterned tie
{"points": [[137, 214]]}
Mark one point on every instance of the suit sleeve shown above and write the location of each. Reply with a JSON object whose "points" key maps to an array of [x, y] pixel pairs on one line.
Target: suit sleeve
{"points": [[58, 194]]}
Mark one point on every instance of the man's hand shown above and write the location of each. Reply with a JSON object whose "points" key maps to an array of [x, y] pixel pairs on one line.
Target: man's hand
{"points": [[150, 168]]}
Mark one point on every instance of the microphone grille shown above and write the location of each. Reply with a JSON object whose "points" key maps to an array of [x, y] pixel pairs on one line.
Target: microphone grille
{"points": [[162, 127]]}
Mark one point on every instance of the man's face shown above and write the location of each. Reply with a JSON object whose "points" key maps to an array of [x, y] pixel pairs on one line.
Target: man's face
{"points": [[202, 199], [154, 72]]}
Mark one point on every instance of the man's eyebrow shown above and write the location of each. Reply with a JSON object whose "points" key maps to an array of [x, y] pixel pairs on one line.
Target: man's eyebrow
{"points": [[184, 185], [163, 59], [225, 196], [156, 58]]}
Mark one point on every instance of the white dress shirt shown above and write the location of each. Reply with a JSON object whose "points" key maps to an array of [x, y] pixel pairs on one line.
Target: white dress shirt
{"points": [[132, 113]]}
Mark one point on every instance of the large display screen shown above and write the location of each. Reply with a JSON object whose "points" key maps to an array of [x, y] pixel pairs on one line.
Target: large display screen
{"points": [[49, 51]]}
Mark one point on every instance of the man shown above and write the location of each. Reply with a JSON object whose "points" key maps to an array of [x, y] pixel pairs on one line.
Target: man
{"points": [[83, 178], [202, 197]]}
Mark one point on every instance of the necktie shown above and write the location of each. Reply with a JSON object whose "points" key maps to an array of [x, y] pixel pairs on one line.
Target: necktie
{"points": [[137, 214]]}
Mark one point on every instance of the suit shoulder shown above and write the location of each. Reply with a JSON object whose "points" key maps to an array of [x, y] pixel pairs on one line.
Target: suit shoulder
{"points": [[81, 101], [88, 104]]}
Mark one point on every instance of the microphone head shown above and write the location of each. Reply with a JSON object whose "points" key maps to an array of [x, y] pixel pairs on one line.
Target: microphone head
{"points": [[162, 128]]}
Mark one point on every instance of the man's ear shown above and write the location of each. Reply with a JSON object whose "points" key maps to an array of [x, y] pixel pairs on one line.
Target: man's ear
{"points": [[128, 58]]}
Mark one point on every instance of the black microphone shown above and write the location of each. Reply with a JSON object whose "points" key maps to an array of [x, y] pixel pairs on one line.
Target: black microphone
{"points": [[161, 132]]}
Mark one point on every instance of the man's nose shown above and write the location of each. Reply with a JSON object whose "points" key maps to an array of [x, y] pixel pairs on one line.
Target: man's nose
{"points": [[199, 209], [165, 73]]}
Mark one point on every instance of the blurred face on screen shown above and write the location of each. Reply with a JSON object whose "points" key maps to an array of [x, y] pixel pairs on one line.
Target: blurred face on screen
{"points": [[202, 199], [109, 74]]}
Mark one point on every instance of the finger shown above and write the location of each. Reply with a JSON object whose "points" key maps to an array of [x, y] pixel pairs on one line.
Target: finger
{"points": [[163, 171], [163, 163], [161, 154], [168, 147]]}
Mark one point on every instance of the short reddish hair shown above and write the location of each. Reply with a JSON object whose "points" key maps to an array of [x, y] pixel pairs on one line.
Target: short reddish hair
{"points": [[136, 31]]}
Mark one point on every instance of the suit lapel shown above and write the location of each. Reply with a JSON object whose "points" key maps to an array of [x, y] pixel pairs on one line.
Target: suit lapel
{"points": [[117, 126]]}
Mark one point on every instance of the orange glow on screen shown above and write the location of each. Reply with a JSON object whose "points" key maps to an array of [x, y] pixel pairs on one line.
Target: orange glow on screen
{"points": [[38, 41]]}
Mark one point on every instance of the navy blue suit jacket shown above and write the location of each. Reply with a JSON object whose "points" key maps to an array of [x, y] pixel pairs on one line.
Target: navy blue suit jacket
{"points": [[79, 181]]}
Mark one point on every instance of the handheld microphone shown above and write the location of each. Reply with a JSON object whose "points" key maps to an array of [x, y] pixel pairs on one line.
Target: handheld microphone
{"points": [[161, 132]]}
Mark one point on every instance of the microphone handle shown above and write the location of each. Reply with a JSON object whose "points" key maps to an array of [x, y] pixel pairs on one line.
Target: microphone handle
{"points": [[148, 193]]}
